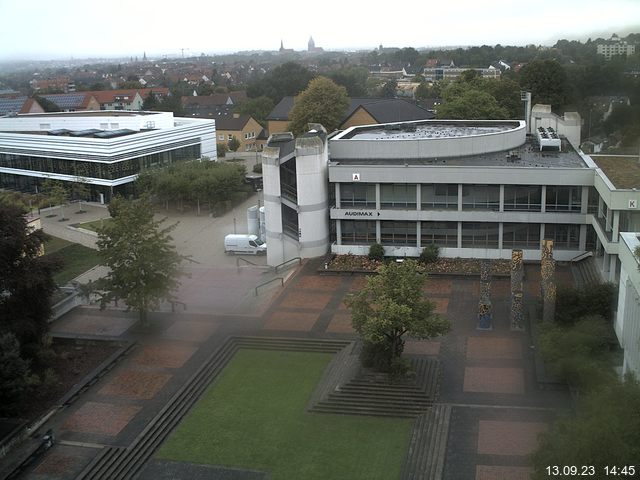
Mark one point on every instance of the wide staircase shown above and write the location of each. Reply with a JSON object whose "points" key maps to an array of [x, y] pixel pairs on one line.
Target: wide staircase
{"points": [[585, 272], [120, 463], [428, 445], [371, 393]]}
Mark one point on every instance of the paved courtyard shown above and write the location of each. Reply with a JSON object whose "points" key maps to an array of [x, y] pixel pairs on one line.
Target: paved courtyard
{"points": [[487, 376]]}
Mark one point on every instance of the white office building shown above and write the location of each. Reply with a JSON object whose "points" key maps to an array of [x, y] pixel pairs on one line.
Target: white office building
{"points": [[105, 149]]}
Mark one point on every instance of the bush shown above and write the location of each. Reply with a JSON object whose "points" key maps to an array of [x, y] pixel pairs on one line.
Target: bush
{"points": [[376, 252], [222, 149], [430, 254], [257, 168], [578, 354], [16, 379], [572, 304]]}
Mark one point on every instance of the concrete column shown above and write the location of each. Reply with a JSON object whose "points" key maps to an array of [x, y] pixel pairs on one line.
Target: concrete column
{"points": [[584, 204], [543, 199], [613, 268], [378, 233], [500, 233], [418, 198], [583, 238], [459, 198], [616, 225], [272, 205], [338, 199], [419, 240], [459, 234], [501, 207], [541, 233], [338, 232], [378, 198]]}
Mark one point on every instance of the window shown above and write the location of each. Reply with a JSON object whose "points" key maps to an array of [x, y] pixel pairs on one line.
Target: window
{"points": [[521, 235], [442, 234], [479, 235], [481, 197], [563, 199], [565, 237], [221, 137], [289, 181], [358, 232], [398, 195], [398, 233], [522, 198], [290, 222], [357, 195], [439, 196], [230, 136]]}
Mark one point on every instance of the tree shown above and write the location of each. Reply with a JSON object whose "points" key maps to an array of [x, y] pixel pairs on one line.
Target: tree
{"points": [[26, 281], [389, 89], [605, 432], [353, 78], [391, 305], [16, 378], [322, 102], [547, 81], [258, 108], [150, 102], [143, 263], [288, 79], [57, 193], [234, 144], [471, 104]]}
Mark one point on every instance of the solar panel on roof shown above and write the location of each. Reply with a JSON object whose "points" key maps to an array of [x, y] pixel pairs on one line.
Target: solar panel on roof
{"points": [[84, 133], [114, 133], [59, 131]]}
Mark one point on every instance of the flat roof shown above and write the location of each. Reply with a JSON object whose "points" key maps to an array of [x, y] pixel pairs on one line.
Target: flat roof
{"points": [[92, 113], [526, 155], [427, 129], [622, 171]]}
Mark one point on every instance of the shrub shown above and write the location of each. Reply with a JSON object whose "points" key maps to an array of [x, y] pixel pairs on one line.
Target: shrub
{"points": [[222, 149], [429, 254], [257, 168], [572, 304], [376, 252]]}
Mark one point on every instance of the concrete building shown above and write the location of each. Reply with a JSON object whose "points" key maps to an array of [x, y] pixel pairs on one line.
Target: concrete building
{"points": [[614, 46], [435, 74], [106, 149], [476, 189]]}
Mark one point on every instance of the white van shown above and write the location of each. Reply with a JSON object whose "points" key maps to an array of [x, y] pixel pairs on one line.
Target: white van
{"points": [[247, 244]]}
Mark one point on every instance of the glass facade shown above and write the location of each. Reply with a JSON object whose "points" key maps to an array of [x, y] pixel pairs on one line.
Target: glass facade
{"points": [[522, 198], [521, 235], [358, 195], [398, 233], [439, 196], [563, 199], [565, 237], [103, 170], [481, 197], [398, 195], [290, 222], [442, 234], [480, 235], [356, 232], [289, 181]]}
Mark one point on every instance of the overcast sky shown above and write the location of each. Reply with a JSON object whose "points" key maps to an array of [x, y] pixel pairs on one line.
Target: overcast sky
{"points": [[62, 29]]}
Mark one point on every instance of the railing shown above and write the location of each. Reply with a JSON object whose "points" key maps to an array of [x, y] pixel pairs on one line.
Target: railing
{"points": [[288, 261], [581, 256], [239, 259], [270, 281]]}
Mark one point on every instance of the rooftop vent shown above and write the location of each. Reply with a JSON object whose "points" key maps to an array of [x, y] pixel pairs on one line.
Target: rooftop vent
{"points": [[548, 138]]}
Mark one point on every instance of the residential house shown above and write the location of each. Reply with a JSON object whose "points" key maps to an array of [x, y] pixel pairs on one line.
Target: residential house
{"points": [[21, 104], [73, 102], [361, 111], [243, 127]]}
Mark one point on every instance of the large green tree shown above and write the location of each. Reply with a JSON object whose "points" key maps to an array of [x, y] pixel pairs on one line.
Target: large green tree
{"points": [[322, 102], [353, 78], [16, 378], [258, 108], [144, 266], [547, 82], [288, 79], [392, 305], [26, 281], [605, 432], [471, 104]]}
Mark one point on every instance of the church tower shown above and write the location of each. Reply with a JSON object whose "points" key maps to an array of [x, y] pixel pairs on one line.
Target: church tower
{"points": [[311, 44]]}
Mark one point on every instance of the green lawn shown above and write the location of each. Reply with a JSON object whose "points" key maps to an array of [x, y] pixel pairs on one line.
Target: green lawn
{"points": [[76, 258], [93, 225], [254, 417]]}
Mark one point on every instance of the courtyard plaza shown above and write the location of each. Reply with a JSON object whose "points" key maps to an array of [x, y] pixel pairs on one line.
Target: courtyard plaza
{"points": [[487, 378]]}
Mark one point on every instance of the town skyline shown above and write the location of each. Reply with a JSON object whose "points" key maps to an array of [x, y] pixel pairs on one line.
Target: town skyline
{"points": [[336, 27]]}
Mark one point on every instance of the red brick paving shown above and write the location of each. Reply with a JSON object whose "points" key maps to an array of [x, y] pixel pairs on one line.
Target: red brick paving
{"points": [[291, 321], [304, 299], [493, 380], [319, 282], [439, 286], [101, 418], [422, 347], [358, 283], [485, 348], [486, 472], [509, 438], [340, 323], [165, 355], [55, 464], [135, 385], [190, 330]]}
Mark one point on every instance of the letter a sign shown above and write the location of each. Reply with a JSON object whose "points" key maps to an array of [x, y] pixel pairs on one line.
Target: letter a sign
{"points": [[356, 177]]}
